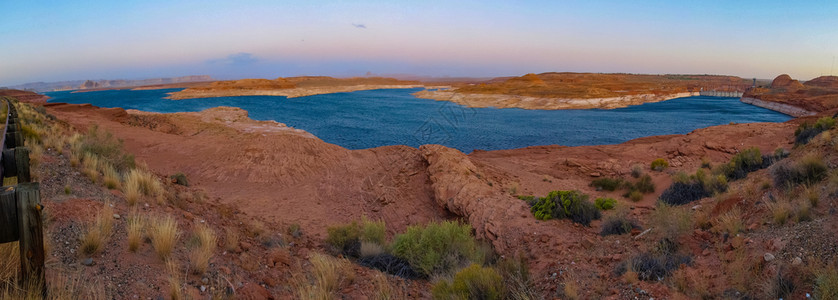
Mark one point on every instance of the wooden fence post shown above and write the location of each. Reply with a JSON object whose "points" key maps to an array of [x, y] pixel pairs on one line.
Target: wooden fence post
{"points": [[22, 162], [9, 231], [31, 233]]}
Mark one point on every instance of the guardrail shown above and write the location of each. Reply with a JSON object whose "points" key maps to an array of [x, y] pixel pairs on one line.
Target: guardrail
{"points": [[20, 204]]}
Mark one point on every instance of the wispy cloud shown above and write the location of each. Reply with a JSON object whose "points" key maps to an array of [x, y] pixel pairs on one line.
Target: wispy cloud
{"points": [[237, 59], [359, 26]]}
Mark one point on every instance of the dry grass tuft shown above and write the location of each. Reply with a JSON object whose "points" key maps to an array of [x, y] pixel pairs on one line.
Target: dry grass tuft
{"points": [[327, 275], [175, 291], [141, 183], [731, 222], [9, 261], [98, 233], [200, 255], [90, 167], [231, 239], [136, 224], [111, 176], [164, 234], [780, 211], [369, 249]]}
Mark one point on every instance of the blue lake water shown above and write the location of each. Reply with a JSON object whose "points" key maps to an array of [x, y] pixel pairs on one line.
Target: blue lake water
{"points": [[367, 119]]}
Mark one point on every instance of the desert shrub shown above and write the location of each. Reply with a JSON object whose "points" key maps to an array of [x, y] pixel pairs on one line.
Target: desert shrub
{"points": [[653, 267], [605, 203], [683, 192], [516, 278], [566, 204], [636, 171], [608, 184], [779, 285], [531, 200], [659, 164], [390, 264], [437, 248], [780, 211], [473, 282], [368, 249], [671, 221], [346, 239], [741, 164], [107, 148], [179, 178], [617, 224], [809, 170], [645, 185], [826, 282], [690, 188], [635, 196]]}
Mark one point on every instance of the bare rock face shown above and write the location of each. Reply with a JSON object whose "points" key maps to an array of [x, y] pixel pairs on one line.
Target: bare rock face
{"points": [[785, 81], [824, 82]]}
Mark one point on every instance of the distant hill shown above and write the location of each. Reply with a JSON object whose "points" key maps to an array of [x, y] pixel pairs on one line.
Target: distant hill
{"points": [[98, 84]]}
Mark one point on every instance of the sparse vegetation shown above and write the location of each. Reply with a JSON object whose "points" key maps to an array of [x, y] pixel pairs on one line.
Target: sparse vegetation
{"points": [[98, 233], [605, 203], [347, 239], [163, 234], [136, 224], [437, 248], [636, 171], [618, 223], [106, 147], [731, 221], [473, 282], [201, 253], [809, 170], [806, 132], [179, 178], [141, 183], [327, 275], [566, 204], [659, 164], [826, 282], [671, 221], [111, 177], [657, 264], [608, 184]]}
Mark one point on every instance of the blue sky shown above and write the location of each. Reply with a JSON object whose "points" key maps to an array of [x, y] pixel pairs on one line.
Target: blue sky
{"points": [[67, 40]]}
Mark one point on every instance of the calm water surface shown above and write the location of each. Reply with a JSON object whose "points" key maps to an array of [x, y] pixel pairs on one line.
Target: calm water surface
{"points": [[367, 119]]}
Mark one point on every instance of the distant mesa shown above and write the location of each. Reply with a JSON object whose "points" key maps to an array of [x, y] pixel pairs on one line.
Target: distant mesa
{"points": [[99, 84], [290, 87], [824, 82]]}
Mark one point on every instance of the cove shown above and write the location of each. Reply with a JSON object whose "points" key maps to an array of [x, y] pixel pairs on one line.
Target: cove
{"points": [[368, 119]]}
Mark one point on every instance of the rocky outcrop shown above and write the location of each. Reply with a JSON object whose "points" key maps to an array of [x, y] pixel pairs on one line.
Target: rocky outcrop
{"points": [[817, 95], [529, 102], [790, 110], [785, 81]]}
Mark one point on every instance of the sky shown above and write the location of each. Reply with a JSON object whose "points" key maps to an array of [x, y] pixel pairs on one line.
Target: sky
{"points": [[71, 40]]}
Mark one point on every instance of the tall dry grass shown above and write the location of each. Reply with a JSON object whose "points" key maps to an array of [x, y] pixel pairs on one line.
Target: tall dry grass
{"points": [[136, 225], [164, 234], [141, 183], [327, 274], [206, 242]]}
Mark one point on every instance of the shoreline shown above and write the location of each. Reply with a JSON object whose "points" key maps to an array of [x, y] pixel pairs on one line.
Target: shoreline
{"points": [[539, 103], [786, 109], [290, 93]]}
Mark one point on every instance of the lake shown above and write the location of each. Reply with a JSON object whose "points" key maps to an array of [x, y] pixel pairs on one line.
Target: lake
{"points": [[367, 119]]}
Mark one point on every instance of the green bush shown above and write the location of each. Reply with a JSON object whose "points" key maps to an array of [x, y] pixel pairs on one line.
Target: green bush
{"points": [[805, 132], [825, 123], [686, 189], [108, 148], [437, 248], [605, 203], [659, 164], [608, 184], [566, 204], [473, 282], [742, 163], [531, 200]]}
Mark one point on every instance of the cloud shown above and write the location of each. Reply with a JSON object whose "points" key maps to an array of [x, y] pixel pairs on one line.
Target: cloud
{"points": [[359, 26], [237, 59]]}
